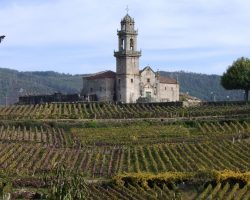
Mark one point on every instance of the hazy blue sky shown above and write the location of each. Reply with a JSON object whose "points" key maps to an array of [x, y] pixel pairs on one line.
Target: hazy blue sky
{"points": [[79, 36]]}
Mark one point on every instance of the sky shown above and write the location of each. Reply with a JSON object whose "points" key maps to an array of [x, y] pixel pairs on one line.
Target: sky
{"points": [[80, 36]]}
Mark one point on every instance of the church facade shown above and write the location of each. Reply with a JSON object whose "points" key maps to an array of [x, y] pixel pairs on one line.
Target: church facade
{"points": [[129, 84]]}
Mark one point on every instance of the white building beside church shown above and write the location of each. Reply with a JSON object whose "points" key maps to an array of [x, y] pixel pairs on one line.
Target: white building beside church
{"points": [[129, 84]]}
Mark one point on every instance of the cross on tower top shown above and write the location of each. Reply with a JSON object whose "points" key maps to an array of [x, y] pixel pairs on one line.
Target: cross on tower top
{"points": [[127, 9]]}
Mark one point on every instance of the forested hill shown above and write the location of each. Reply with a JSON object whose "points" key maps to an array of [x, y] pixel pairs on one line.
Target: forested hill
{"points": [[14, 83], [205, 87]]}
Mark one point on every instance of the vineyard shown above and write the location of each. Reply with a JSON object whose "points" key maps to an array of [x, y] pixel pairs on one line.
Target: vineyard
{"points": [[116, 111], [165, 191], [201, 153], [153, 133], [107, 161]]}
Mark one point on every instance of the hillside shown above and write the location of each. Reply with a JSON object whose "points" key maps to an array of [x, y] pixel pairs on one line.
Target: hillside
{"points": [[14, 83], [205, 87]]}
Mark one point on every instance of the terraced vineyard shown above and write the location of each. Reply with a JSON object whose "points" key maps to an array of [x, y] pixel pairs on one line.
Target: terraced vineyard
{"points": [[108, 161], [134, 191], [225, 191], [43, 135], [191, 148], [116, 111], [153, 133], [219, 191]]}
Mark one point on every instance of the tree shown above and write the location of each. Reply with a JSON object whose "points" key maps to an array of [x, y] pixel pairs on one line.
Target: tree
{"points": [[237, 76]]}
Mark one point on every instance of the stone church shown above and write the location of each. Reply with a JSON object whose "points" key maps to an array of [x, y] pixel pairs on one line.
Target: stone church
{"points": [[129, 84]]}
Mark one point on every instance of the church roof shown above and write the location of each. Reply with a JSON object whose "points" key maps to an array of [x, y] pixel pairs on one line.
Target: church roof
{"points": [[167, 80], [127, 18], [100, 75]]}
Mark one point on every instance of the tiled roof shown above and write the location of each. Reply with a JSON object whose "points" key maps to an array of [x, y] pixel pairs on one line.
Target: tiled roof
{"points": [[167, 80], [99, 75]]}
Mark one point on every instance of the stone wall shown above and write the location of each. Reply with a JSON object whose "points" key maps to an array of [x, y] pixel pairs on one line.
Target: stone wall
{"points": [[103, 89], [168, 92], [148, 84], [127, 88], [159, 92]]}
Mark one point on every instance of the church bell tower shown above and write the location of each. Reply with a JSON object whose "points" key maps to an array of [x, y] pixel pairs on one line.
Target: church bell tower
{"points": [[127, 63]]}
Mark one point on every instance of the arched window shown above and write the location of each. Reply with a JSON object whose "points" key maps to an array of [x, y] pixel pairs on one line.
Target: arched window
{"points": [[131, 44], [122, 44]]}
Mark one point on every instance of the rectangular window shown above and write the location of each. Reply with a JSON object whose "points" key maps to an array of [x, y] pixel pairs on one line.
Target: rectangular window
{"points": [[148, 94], [100, 89], [91, 89], [132, 80], [119, 84], [148, 80]]}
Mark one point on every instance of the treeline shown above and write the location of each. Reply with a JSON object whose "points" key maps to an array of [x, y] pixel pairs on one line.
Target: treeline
{"points": [[14, 84], [205, 87]]}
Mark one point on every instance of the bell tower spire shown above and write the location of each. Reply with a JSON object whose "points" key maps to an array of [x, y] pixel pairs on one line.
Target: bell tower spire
{"points": [[127, 62]]}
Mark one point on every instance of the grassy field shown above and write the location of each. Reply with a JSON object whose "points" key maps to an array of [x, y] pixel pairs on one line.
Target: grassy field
{"points": [[159, 152]]}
